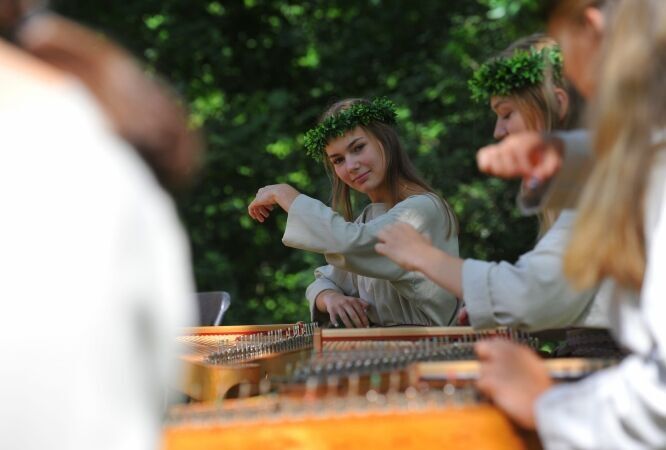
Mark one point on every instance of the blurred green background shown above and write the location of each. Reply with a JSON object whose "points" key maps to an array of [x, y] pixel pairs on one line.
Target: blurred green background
{"points": [[257, 74]]}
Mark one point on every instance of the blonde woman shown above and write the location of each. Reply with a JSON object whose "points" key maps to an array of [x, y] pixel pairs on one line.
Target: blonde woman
{"points": [[619, 237], [532, 293]]}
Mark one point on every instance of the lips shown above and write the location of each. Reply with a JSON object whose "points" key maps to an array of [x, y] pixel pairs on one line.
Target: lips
{"points": [[362, 178]]}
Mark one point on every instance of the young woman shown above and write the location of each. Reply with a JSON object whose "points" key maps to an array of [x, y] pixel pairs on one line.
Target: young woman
{"points": [[358, 143], [533, 293], [619, 237]]}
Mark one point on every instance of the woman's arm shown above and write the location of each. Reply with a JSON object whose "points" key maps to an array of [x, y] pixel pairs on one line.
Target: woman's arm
{"points": [[351, 246], [414, 252]]}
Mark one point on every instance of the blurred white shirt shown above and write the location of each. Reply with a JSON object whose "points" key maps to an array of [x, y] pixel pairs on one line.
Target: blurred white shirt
{"points": [[95, 279]]}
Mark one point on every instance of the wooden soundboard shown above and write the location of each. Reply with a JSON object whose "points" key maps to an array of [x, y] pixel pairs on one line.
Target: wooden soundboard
{"points": [[463, 426], [206, 381]]}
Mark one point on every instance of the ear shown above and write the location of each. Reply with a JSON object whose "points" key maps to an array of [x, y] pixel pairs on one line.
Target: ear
{"points": [[594, 18], [562, 101]]}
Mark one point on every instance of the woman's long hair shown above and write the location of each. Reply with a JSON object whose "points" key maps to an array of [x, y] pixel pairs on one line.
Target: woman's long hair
{"points": [[608, 238], [539, 106], [402, 178], [538, 103]]}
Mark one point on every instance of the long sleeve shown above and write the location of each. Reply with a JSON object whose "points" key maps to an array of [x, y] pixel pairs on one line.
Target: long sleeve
{"points": [[313, 226], [622, 408], [329, 277], [625, 407], [533, 293], [563, 190]]}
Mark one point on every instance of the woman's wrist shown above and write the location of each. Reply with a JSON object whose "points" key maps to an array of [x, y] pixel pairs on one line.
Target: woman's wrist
{"points": [[286, 196], [321, 298], [426, 258]]}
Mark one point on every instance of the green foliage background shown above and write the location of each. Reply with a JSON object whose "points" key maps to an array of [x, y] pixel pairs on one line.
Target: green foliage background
{"points": [[258, 73]]}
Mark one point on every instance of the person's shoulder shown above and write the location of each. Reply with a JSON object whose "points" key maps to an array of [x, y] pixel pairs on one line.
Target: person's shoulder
{"points": [[21, 74], [426, 201], [63, 128]]}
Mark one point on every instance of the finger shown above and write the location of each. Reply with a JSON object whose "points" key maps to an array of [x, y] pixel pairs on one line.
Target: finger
{"points": [[353, 316], [265, 212], [523, 162], [486, 381], [549, 165], [486, 159], [482, 159], [333, 316], [255, 214], [344, 316], [504, 163], [252, 212], [360, 312], [483, 350]]}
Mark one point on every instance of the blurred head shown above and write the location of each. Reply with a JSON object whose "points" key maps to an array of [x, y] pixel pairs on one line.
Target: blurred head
{"points": [[13, 12], [143, 111], [535, 98], [578, 26]]}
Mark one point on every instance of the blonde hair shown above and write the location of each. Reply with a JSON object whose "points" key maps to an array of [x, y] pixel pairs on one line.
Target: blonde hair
{"points": [[538, 103], [539, 106], [608, 238]]}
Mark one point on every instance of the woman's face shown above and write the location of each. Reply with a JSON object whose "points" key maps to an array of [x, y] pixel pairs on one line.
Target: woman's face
{"points": [[358, 160], [509, 118], [580, 43]]}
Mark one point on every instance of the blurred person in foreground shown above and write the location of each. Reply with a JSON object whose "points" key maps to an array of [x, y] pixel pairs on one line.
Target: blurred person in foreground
{"points": [[95, 271], [614, 51]]}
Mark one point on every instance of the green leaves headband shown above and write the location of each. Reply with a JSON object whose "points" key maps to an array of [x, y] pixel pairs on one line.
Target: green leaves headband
{"points": [[525, 68], [359, 114]]}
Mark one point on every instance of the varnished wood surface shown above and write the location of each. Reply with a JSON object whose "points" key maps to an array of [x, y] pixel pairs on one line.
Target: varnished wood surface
{"points": [[561, 368], [457, 428]]}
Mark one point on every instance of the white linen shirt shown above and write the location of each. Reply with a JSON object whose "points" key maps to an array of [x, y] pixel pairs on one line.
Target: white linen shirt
{"points": [[622, 408], [95, 280], [533, 293], [397, 297]]}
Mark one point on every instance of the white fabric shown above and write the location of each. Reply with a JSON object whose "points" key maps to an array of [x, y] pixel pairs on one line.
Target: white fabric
{"points": [[533, 293], [94, 280], [623, 408], [395, 295]]}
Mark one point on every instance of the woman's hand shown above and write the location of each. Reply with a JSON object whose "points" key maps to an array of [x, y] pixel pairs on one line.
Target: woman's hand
{"points": [[529, 155], [352, 311], [403, 244], [262, 205], [514, 377]]}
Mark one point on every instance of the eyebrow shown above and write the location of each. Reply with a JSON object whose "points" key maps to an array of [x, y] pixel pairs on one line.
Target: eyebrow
{"points": [[350, 145]]}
